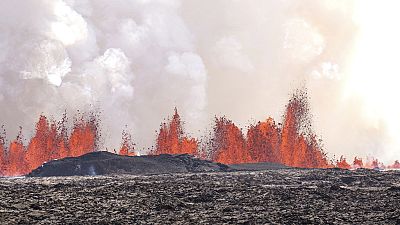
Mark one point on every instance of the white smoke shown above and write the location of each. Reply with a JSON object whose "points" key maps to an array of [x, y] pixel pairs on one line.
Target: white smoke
{"points": [[135, 60], [138, 59]]}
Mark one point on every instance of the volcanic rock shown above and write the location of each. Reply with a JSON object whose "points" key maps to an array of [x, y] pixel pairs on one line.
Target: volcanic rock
{"points": [[258, 166], [106, 163], [283, 196]]}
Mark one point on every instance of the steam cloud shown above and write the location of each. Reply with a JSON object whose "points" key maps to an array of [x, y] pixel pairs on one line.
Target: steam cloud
{"points": [[136, 60]]}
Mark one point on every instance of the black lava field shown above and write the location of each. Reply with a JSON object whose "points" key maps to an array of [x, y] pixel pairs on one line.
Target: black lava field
{"points": [[281, 196]]}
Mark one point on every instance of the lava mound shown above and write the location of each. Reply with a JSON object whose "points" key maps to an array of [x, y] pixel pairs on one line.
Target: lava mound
{"points": [[106, 163]]}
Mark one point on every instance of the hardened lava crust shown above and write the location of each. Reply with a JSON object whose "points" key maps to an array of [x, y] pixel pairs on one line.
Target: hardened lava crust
{"points": [[279, 196]]}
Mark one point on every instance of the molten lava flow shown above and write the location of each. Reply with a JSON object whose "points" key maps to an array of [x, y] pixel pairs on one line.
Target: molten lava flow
{"points": [[171, 139], [292, 143], [373, 164], [42, 144], [289, 134], [50, 141], [358, 163], [228, 144], [299, 146], [189, 146], [316, 156], [83, 137], [16, 157], [263, 142], [396, 165], [3, 161], [342, 163], [61, 139], [127, 145]]}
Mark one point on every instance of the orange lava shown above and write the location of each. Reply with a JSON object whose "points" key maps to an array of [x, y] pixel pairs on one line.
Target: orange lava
{"points": [[83, 137], [50, 141], [299, 146], [127, 145], [396, 165], [358, 163], [16, 163], [369, 164], [2, 153], [228, 144], [263, 142], [171, 139], [292, 143], [267, 142], [342, 163]]}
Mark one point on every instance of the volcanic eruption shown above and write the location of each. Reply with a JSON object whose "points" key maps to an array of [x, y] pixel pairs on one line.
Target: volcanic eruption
{"points": [[50, 141], [171, 139], [292, 143]]}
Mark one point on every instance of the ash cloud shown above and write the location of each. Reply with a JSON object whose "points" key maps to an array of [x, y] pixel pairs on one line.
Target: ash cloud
{"points": [[136, 60]]}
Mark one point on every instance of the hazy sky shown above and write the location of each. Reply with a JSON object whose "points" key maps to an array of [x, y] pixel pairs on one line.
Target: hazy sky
{"points": [[138, 59]]}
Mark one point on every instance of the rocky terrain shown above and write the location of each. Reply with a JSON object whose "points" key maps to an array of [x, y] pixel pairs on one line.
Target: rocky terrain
{"points": [[257, 166], [106, 163], [283, 196]]}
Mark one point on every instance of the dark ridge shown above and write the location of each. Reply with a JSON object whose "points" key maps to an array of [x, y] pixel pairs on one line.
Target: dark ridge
{"points": [[106, 163]]}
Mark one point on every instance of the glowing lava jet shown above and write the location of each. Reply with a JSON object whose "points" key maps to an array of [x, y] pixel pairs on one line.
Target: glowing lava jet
{"points": [[50, 141], [263, 142], [127, 145], [292, 143], [228, 144], [299, 146], [342, 163], [171, 139]]}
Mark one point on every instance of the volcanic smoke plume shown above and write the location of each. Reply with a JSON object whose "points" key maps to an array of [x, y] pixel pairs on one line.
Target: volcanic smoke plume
{"points": [[138, 59], [135, 60]]}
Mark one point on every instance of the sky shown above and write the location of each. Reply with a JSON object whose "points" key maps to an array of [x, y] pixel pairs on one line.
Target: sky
{"points": [[136, 60]]}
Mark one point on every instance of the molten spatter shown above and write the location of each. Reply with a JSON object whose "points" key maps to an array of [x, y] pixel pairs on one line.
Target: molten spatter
{"points": [[263, 142], [84, 134], [370, 163], [171, 139], [358, 163], [299, 146], [3, 161], [228, 144], [294, 144], [17, 164], [342, 163], [50, 141], [396, 165], [42, 144], [373, 163], [127, 145]]}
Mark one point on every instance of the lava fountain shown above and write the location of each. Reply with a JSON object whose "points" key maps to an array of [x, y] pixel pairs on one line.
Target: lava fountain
{"points": [[171, 139], [291, 143], [50, 141]]}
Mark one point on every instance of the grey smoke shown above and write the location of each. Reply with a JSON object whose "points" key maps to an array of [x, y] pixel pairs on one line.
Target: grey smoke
{"points": [[138, 59]]}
